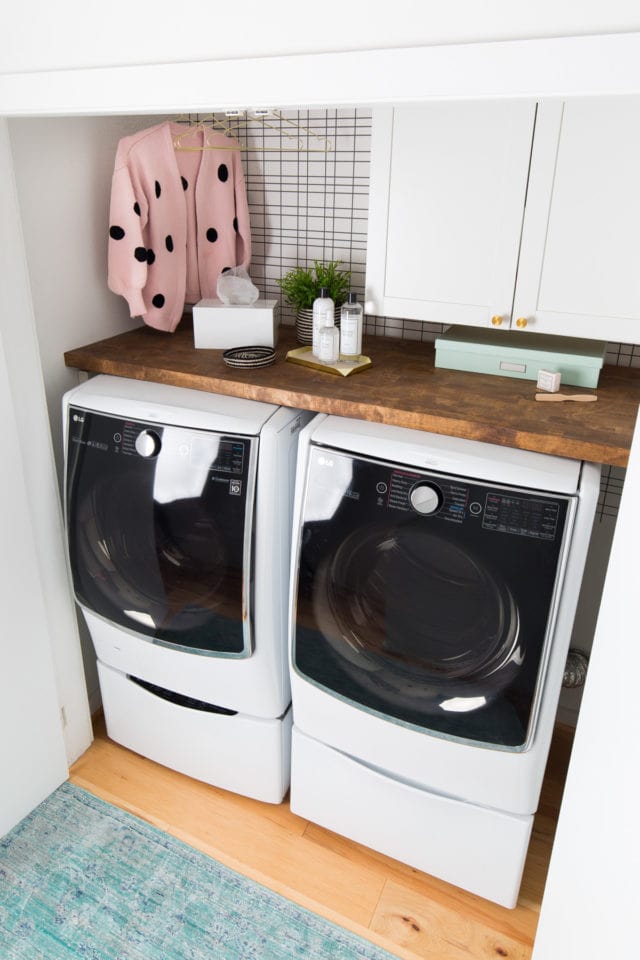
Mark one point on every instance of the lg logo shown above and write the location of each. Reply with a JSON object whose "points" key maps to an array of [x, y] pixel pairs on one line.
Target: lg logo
{"points": [[324, 461]]}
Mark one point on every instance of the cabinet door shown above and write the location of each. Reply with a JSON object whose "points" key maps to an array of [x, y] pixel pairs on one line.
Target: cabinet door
{"points": [[448, 187], [579, 270]]}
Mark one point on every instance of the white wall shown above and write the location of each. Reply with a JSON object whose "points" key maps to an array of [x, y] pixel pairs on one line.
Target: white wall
{"points": [[24, 380], [40, 35], [590, 902], [32, 756], [64, 207]]}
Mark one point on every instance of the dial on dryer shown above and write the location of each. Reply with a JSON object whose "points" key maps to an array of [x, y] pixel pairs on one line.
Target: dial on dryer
{"points": [[148, 443], [426, 498]]}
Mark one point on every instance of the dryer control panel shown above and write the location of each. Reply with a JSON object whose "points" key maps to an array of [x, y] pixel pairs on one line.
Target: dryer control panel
{"points": [[439, 498]]}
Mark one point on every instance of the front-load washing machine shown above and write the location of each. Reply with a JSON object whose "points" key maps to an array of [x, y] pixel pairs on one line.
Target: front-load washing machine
{"points": [[434, 585], [178, 517]]}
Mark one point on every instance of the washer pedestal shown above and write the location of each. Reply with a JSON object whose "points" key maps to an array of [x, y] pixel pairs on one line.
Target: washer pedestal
{"points": [[244, 754]]}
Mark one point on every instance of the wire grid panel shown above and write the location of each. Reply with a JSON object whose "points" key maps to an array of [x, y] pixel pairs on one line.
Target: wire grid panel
{"points": [[611, 484], [623, 354], [310, 203]]}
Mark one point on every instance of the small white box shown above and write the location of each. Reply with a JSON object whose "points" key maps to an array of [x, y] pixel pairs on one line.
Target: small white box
{"points": [[219, 326], [549, 380]]}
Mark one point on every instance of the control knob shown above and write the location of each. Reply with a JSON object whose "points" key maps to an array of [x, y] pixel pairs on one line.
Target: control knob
{"points": [[147, 443], [426, 498]]}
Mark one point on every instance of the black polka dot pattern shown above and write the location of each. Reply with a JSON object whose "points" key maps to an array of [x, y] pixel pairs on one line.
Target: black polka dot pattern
{"points": [[185, 183], [169, 243], [116, 233], [158, 301], [235, 224], [212, 235], [150, 257], [140, 253], [136, 208], [158, 190], [223, 172]]}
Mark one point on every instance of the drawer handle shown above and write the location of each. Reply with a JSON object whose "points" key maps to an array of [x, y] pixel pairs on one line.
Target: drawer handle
{"points": [[521, 322], [496, 321]]}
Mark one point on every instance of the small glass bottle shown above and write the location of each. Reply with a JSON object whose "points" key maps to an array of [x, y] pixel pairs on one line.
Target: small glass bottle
{"points": [[351, 328], [329, 344], [323, 316]]}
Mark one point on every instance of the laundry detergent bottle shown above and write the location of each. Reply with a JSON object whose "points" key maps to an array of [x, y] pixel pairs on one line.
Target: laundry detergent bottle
{"points": [[323, 315]]}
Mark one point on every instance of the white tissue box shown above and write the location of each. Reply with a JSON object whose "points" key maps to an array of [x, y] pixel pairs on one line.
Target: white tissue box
{"points": [[219, 326]]}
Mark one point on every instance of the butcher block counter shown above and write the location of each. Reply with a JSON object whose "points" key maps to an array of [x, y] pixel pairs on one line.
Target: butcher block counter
{"points": [[402, 387]]}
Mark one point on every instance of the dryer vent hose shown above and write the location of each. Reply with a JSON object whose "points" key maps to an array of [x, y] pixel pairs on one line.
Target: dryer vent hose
{"points": [[575, 670]]}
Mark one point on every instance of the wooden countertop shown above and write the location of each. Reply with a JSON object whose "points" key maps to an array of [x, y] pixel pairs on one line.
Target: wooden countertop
{"points": [[403, 388]]}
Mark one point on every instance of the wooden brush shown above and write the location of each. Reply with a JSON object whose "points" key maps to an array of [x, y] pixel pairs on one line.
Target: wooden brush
{"points": [[559, 397]]}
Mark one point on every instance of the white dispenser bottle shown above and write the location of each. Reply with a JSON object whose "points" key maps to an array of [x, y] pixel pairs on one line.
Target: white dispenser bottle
{"points": [[351, 328], [329, 344], [323, 316]]}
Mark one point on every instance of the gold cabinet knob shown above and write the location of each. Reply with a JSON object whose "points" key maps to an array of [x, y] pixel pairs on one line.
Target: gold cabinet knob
{"points": [[521, 323], [496, 321]]}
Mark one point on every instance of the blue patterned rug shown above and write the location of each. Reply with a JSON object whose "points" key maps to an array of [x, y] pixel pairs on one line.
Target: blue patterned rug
{"points": [[82, 878]]}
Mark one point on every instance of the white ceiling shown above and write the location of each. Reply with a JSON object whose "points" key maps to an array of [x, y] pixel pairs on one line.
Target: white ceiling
{"points": [[41, 35]]}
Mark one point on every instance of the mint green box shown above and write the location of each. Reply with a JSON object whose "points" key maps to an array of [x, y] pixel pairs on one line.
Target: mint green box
{"points": [[511, 353]]}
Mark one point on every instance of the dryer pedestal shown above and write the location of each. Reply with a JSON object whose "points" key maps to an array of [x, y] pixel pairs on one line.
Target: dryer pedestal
{"points": [[244, 754], [476, 848]]}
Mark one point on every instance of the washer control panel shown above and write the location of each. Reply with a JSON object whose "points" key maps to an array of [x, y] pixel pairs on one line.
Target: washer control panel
{"points": [[198, 450]]}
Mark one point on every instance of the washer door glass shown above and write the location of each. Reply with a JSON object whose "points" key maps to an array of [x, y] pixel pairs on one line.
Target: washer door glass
{"points": [[159, 525], [424, 598]]}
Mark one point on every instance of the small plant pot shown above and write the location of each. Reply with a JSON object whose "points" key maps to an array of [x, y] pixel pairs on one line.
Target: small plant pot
{"points": [[304, 323]]}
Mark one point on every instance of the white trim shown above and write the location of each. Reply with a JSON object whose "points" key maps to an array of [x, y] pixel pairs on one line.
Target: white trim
{"points": [[378, 219], [17, 329], [563, 67]]}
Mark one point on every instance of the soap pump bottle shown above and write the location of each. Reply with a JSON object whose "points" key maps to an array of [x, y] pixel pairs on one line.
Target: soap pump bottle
{"points": [[351, 328], [323, 316]]}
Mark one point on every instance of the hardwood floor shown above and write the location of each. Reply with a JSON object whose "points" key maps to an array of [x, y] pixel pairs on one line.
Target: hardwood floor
{"points": [[411, 914]]}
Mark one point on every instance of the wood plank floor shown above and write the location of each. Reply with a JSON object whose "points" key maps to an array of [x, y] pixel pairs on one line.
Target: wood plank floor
{"points": [[407, 912]]}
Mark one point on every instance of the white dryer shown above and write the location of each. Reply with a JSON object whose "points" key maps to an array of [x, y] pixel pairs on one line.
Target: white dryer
{"points": [[434, 585], [178, 517]]}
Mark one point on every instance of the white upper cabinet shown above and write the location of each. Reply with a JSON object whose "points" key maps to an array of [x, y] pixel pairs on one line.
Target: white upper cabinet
{"points": [[510, 214], [448, 186], [579, 269]]}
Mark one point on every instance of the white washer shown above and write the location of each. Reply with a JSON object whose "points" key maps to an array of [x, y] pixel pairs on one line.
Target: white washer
{"points": [[178, 515], [434, 585]]}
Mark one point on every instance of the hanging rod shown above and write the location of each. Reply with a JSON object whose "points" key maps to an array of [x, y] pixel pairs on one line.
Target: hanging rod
{"points": [[298, 136]]}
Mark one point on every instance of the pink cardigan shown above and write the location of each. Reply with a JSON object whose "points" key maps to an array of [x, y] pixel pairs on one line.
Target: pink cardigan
{"points": [[178, 218]]}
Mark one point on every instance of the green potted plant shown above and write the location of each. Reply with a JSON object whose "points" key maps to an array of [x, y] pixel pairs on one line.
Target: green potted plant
{"points": [[302, 285]]}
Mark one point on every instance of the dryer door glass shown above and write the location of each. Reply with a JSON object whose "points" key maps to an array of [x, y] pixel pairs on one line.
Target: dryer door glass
{"points": [[159, 525], [427, 598]]}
